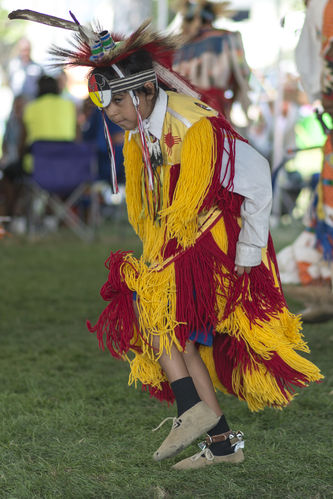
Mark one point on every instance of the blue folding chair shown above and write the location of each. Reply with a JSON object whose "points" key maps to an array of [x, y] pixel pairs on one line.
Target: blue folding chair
{"points": [[64, 173]]}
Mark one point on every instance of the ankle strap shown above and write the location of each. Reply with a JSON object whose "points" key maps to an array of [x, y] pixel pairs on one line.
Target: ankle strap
{"points": [[222, 437], [236, 439]]}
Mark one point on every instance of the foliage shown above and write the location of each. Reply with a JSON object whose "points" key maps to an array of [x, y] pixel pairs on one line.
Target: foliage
{"points": [[10, 33]]}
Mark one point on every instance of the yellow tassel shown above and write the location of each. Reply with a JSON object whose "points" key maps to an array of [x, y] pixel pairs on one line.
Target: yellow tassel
{"points": [[156, 304], [133, 167], [196, 172], [146, 371], [259, 388]]}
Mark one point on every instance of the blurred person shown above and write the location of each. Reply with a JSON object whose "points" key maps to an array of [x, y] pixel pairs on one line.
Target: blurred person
{"points": [[308, 50], [287, 183], [11, 160], [50, 116], [259, 132], [23, 72], [64, 82], [14, 133], [287, 118], [261, 129], [213, 59], [309, 260], [47, 117]]}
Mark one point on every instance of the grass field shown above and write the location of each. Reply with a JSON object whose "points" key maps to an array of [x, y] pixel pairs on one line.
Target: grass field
{"points": [[70, 426]]}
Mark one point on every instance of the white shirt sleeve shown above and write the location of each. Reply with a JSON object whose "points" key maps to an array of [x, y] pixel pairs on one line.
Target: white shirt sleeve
{"points": [[252, 180]]}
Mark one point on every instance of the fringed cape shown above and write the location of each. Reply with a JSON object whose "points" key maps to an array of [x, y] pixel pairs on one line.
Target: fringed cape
{"points": [[185, 280]]}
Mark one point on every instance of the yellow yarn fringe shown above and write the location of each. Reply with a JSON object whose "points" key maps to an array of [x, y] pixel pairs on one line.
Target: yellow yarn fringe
{"points": [[196, 172], [180, 219], [151, 231], [133, 167], [156, 306], [146, 371]]}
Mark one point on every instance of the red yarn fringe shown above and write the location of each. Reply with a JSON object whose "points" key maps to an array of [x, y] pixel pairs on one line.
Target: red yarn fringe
{"points": [[118, 322], [164, 395], [222, 131], [200, 276]]}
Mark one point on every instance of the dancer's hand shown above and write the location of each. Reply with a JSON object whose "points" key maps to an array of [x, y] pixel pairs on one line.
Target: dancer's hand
{"points": [[240, 269]]}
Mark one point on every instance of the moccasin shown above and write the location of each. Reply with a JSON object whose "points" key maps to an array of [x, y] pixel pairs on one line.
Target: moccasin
{"points": [[206, 458], [190, 425]]}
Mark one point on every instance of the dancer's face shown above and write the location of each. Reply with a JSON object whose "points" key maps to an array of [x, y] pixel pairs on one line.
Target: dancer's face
{"points": [[121, 110]]}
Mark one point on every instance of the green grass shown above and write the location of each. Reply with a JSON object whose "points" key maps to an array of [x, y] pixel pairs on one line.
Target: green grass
{"points": [[70, 426]]}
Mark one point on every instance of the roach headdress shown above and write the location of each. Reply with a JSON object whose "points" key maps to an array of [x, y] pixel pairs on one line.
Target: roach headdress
{"points": [[94, 47]]}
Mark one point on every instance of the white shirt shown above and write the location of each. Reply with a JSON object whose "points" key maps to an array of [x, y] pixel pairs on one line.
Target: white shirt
{"points": [[252, 180]]}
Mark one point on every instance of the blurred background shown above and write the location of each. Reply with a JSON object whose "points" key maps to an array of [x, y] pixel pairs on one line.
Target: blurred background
{"points": [[269, 28], [277, 117]]}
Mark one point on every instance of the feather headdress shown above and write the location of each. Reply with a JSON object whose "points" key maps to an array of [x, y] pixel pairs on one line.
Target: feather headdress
{"points": [[96, 48], [161, 47]]}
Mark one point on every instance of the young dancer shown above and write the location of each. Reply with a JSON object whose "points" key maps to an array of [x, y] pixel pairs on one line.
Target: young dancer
{"points": [[202, 309]]}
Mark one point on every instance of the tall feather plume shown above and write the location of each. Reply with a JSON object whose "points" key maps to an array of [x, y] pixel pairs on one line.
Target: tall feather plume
{"points": [[86, 32], [160, 46], [144, 37], [85, 35], [38, 17]]}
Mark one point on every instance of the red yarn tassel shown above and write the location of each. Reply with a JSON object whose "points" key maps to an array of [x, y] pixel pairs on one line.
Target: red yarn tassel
{"points": [[196, 299], [222, 132], [203, 271], [164, 395], [229, 352], [118, 322]]}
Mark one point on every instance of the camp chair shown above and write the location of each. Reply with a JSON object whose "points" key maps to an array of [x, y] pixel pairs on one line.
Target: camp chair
{"points": [[63, 173]]}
